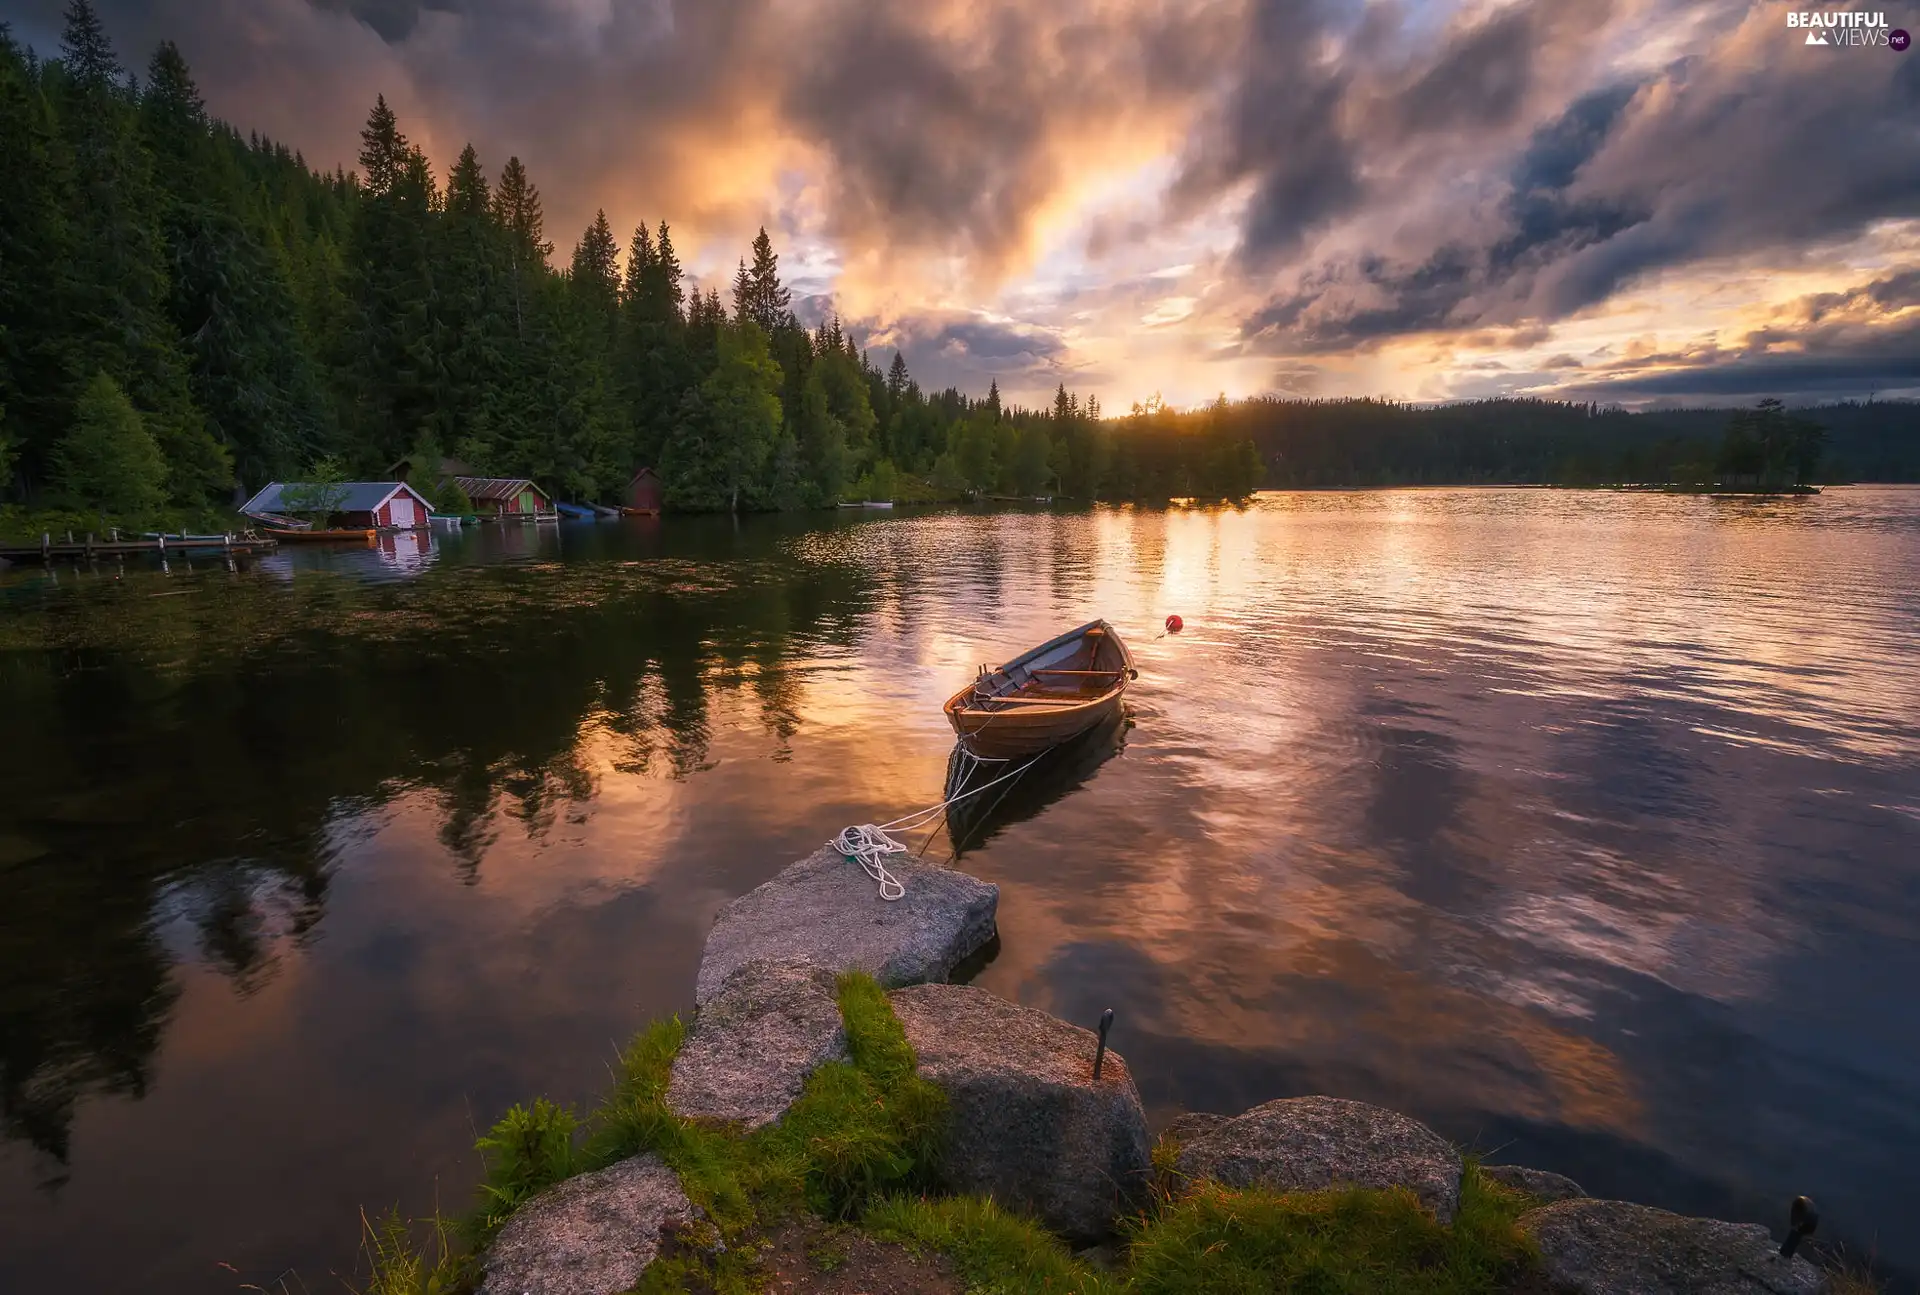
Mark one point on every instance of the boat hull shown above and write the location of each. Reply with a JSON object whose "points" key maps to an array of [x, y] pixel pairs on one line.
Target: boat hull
{"points": [[354, 536], [1012, 735], [1044, 697]]}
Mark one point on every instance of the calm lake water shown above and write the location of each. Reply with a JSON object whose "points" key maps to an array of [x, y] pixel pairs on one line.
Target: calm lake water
{"points": [[1584, 826]]}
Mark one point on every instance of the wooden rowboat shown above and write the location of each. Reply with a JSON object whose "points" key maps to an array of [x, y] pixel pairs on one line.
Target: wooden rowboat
{"points": [[1045, 696], [355, 535]]}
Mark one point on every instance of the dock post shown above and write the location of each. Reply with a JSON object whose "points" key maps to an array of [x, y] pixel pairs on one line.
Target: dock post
{"points": [[89, 546], [163, 544], [46, 546]]}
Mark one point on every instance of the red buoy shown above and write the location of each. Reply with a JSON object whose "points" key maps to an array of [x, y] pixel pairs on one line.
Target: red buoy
{"points": [[1173, 624]]}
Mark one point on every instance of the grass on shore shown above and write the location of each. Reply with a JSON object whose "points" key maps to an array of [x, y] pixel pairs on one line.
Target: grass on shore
{"points": [[22, 525], [858, 1148]]}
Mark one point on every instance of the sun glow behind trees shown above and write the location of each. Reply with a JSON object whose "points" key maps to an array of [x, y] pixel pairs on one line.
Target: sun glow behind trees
{"points": [[261, 317]]}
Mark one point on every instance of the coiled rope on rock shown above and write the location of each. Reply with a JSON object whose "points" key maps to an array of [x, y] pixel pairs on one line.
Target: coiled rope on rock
{"points": [[869, 844]]}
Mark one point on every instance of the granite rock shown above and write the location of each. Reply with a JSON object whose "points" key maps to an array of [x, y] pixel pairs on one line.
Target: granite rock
{"points": [[826, 910], [1188, 1125], [590, 1235], [1307, 1143], [753, 1044], [1594, 1247], [1543, 1186], [1028, 1123]]}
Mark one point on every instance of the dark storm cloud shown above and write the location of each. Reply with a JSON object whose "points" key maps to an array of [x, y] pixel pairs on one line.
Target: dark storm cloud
{"points": [[1431, 167], [941, 126], [1789, 377], [1755, 147], [393, 19], [954, 137], [1826, 345], [1280, 128], [1318, 138], [610, 107], [1479, 79], [1372, 298]]}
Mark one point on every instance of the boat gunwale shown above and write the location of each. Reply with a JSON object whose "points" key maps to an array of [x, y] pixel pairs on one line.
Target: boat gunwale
{"points": [[956, 707]]}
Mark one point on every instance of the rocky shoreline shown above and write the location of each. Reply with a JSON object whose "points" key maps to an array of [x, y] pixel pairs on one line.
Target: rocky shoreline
{"points": [[1028, 1124]]}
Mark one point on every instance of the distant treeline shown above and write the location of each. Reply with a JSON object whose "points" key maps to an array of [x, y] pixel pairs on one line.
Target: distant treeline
{"points": [[186, 313], [1380, 442]]}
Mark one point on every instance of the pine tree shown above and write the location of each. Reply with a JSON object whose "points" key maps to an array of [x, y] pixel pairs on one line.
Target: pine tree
{"points": [[467, 194], [654, 371], [384, 151], [252, 372], [37, 302], [118, 260], [596, 272], [897, 378], [667, 293], [399, 384], [744, 306], [724, 450], [516, 206], [758, 293], [108, 460], [633, 288], [478, 318], [85, 53]]}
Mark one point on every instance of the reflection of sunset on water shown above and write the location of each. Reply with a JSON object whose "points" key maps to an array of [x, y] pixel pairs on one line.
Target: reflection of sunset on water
{"points": [[1580, 825]]}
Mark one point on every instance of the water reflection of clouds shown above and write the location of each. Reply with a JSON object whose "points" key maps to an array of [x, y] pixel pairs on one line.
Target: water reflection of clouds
{"points": [[1515, 808]]}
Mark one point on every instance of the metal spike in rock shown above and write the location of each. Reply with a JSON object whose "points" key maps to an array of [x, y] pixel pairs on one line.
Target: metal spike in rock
{"points": [[1100, 1054], [1802, 1221]]}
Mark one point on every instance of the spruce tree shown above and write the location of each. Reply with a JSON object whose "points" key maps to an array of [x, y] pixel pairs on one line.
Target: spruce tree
{"points": [[252, 372], [467, 195], [596, 271], [633, 287], [666, 292], [399, 385], [770, 300], [516, 206], [37, 301], [744, 306], [654, 370], [477, 317], [725, 449], [118, 264], [108, 460]]}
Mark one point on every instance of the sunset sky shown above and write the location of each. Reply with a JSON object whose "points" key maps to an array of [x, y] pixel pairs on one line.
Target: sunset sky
{"points": [[1642, 201]]}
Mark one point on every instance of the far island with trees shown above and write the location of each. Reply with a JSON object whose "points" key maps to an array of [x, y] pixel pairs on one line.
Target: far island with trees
{"points": [[187, 312]]}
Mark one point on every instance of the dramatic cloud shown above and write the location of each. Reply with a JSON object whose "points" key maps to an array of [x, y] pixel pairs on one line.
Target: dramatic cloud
{"points": [[1187, 196], [1862, 340], [1754, 147]]}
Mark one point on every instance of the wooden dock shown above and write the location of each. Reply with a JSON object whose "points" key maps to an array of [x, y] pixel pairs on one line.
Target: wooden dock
{"points": [[83, 550]]}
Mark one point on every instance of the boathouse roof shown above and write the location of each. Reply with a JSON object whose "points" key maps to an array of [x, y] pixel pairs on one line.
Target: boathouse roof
{"points": [[355, 496], [502, 488]]}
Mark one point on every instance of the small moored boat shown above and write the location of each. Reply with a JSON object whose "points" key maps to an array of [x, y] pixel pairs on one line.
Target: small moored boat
{"points": [[1045, 696], [352, 535]]}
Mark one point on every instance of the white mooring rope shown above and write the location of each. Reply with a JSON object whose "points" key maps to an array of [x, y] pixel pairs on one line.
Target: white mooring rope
{"points": [[869, 845]]}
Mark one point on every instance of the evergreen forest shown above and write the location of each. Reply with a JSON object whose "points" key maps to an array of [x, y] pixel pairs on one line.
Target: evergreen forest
{"points": [[188, 312]]}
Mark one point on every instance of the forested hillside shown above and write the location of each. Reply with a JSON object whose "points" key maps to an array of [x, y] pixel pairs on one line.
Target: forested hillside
{"points": [[187, 312]]}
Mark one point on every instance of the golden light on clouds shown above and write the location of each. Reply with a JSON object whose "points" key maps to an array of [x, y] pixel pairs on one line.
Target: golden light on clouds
{"points": [[1434, 200]]}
